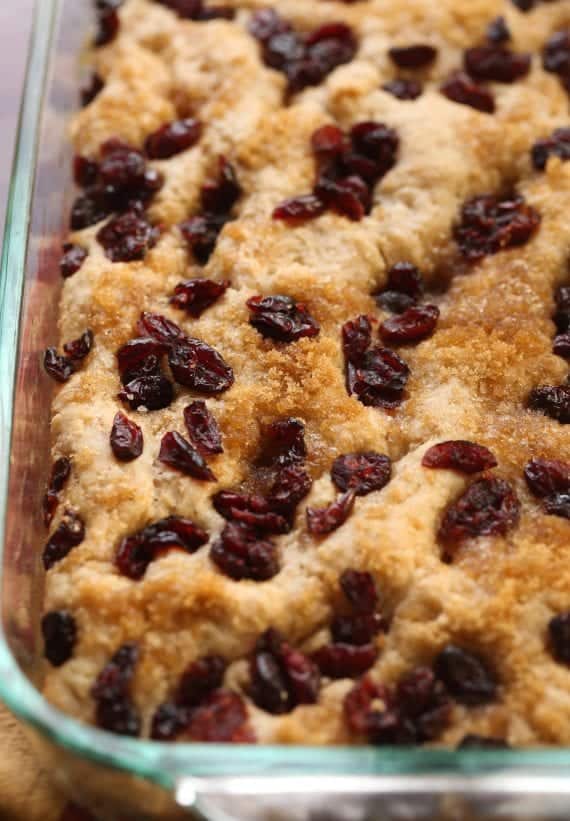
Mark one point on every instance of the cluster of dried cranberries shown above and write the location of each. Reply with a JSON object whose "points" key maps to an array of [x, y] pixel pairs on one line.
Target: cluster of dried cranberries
{"points": [[348, 168], [137, 551], [490, 223], [281, 677], [377, 376], [119, 183], [354, 474], [352, 651], [418, 708], [192, 362], [217, 200], [115, 710], [414, 57], [549, 480], [305, 60], [556, 56], [244, 550], [201, 710], [493, 62], [62, 366]]}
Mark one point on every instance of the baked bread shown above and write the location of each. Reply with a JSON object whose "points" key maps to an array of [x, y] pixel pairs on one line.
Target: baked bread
{"points": [[312, 462]]}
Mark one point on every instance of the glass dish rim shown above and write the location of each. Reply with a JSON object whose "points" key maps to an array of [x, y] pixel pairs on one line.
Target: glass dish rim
{"points": [[165, 764]]}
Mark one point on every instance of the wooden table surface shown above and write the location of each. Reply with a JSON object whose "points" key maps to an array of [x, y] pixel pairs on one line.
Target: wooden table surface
{"points": [[25, 791]]}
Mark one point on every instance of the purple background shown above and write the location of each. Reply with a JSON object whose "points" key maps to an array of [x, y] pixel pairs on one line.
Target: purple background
{"points": [[15, 22]]}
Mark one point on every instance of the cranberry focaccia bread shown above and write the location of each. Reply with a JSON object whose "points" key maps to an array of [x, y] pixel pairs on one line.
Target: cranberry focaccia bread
{"points": [[311, 476]]}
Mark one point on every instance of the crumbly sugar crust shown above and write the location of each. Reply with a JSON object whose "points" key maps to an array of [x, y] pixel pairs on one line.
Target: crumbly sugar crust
{"points": [[469, 380]]}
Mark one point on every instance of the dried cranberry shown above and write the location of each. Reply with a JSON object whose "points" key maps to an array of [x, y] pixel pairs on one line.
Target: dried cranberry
{"points": [[480, 742], [490, 224], [377, 142], [60, 368], [222, 717], [556, 55], [283, 443], [359, 588], [379, 378], [108, 22], [92, 90], [202, 428], [79, 348], [281, 318], [559, 636], [356, 338], [60, 634], [498, 31], [168, 721], [345, 660], [266, 23], [488, 507], [562, 314], [196, 295], [328, 142], [561, 345], [423, 703], [291, 485], [361, 472], [172, 139], [415, 324], [460, 88], [160, 328], [122, 167], [552, 401], [465, 675], [201, 234], [357, 629], [404, 287], [127, 237], [348, 196], [404, 89], [546, 477], [524, 5], [496, 64], [241, 554], [199, 679], [69, 533], [85, 171], [416, 56], [281, 677], [549, 479], [115, 710], [200, 367], [134, 356], [137, 551], [321, 521], [72, 259], [59, 475], [363, 705], [298, 209], [465, 457], [220, 197], [557, 145], [88, 209], [178, 453], [126, 438], [152, 392], [254, 511]]}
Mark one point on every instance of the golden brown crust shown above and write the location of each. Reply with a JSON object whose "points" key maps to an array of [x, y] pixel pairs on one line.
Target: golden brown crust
{"points": [[469, 381]]}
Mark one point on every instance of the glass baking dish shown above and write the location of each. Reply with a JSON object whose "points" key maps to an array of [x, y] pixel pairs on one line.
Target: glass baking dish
{"points": [[121, 778]]}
